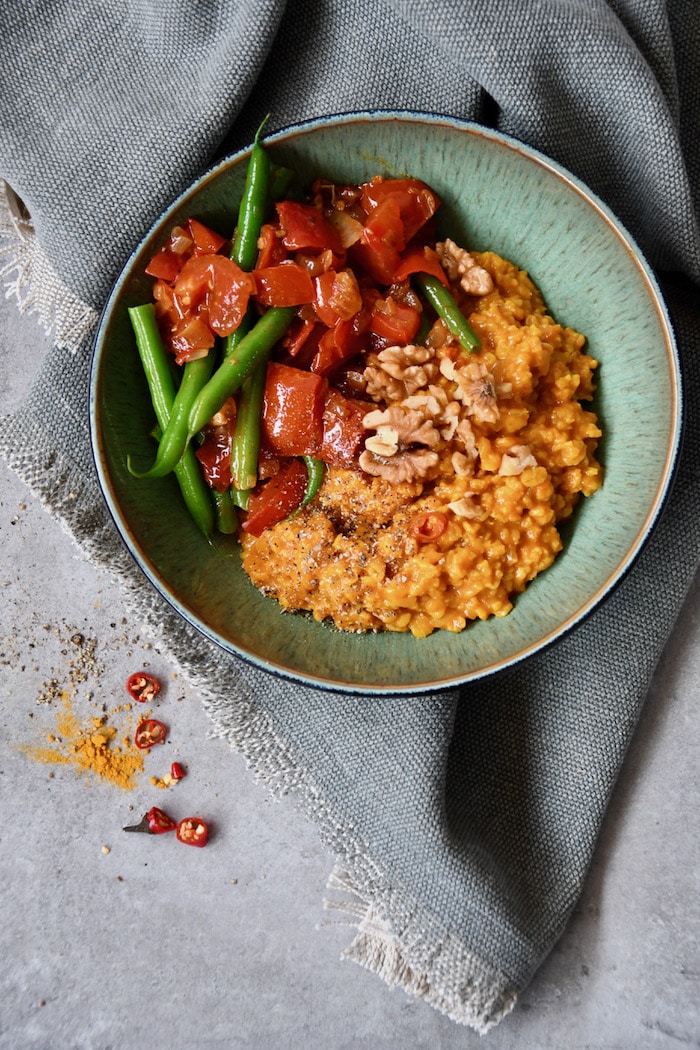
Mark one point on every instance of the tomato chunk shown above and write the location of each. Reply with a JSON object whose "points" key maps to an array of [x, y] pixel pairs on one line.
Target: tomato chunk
{"points": [[343, 433], [271, 251], [394, 321], [338, 296], [286, 284], [190, 339], [420, 259], [292, 423], [205, 240], [215, 451], [306, 227], [165, 265], [415, 201], [275, 499], [218, 283]]}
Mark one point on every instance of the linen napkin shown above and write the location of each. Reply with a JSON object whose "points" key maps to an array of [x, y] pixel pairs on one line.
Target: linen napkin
{"points": [[462, 824]]}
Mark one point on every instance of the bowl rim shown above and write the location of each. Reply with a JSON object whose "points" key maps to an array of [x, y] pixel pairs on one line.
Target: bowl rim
{"points": [[646, 528]]}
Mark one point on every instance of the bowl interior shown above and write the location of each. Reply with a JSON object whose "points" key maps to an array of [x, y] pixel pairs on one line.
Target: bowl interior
{"points": [[496, 194]]}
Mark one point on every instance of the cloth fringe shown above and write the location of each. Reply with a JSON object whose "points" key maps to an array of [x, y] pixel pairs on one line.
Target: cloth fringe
{"points": [[31, 281], [483, 997]]}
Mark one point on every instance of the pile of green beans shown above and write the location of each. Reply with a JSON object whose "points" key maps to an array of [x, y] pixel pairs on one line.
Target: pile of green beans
{"points": [[161, 385], [182, 412]]}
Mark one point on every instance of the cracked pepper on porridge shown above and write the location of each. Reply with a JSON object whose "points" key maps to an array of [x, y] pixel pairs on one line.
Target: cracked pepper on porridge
{"points": [[418, 428]]}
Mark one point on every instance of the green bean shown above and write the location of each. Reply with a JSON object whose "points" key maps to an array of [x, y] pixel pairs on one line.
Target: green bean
{"points": [[161, 385], [252, 350], [442, 301], [174, 440], [253, 206], [423, 330], [316, 468], [246, 436], [226, 514]]}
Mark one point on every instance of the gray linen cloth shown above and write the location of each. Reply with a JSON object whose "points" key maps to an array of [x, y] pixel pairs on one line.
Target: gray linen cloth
{"points": [[462, 824]]}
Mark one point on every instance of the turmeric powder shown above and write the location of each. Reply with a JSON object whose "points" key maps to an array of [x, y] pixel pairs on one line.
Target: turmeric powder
{"points": [[90, 748]]}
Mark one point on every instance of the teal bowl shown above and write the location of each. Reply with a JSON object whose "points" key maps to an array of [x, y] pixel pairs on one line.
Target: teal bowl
{"points": [[496, 194]]}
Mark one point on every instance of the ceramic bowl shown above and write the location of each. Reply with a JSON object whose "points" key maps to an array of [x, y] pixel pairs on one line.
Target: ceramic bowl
{"points": [[496, 194]]}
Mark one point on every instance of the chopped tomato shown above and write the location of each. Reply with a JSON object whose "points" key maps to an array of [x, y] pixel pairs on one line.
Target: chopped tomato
{"points": [[343, 433], [219, 283], [394, 321], [340, 343], [380, 243], [415, 201], [205, 240], [165, 265], [420, 259], [338, 296], [274, 500], [190, 339], [215, 451], [286, 284], [297, 335], [306, 227], [292, 423], [271, 251], [215, 456]]}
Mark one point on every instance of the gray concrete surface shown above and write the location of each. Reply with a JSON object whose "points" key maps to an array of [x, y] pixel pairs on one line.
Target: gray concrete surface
{"points": [[123, 941]]}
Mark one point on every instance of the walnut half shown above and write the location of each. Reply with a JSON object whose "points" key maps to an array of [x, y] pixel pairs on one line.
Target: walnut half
{"points": [[402, 448], [460, 266]]}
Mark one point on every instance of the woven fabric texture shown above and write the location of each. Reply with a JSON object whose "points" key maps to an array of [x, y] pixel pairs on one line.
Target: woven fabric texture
{"points": [[463, 824]]}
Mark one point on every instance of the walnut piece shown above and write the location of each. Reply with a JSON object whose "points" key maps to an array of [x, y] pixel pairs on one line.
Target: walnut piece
{"points": [[467, 507], [409, 465], [403, 446], [411, 426], [399, 371], [460, 266], [515, 460], [475, 388]]}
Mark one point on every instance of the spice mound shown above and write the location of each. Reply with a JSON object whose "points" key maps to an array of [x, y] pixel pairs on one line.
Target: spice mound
{"points": [[90, 748]]}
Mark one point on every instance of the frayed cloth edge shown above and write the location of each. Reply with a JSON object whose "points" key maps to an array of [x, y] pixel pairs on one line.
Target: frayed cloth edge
{"points": [[409, 950], [29, 279]]}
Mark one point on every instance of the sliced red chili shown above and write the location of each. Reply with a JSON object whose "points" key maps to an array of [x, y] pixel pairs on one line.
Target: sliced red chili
{"points": [[428, 526], [155, 822], [159, 822], [177, 772], [193, 831], [142, 686], [149, 732]]}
